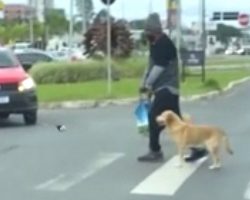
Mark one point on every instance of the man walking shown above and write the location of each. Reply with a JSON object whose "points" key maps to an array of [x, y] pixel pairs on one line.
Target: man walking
{"points": [[162, 79]]}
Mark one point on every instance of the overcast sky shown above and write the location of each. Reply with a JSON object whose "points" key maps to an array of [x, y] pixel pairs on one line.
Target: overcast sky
{"points": [[131, 9]]}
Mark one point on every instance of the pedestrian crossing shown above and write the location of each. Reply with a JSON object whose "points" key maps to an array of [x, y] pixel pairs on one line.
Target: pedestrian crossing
{"points": [[165, 180]]}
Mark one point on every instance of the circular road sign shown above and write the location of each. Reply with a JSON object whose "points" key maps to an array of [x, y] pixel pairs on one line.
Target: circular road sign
{"points": [[243, 19]]}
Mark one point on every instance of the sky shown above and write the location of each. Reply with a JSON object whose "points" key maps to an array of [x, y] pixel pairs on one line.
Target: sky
{"points": [[131, 9]]}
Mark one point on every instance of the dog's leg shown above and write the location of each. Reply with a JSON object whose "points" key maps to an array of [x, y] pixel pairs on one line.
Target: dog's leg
{"points": [[217, 157], [181, 150], [214, 152]]}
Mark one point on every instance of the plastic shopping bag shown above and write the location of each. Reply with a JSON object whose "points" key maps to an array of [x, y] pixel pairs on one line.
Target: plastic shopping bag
{"points": [[141, 116]]}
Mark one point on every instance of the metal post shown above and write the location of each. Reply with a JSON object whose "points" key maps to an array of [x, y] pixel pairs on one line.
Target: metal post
{"points": [[123, 10], [45, 13], [31, 22], [178, 32], [109, 71], [71, 24], [84, 27], [150, 6], [204, 37]]}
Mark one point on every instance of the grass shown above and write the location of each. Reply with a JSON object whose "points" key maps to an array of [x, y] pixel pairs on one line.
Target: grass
{"points": [[215, 60], [223, 60], [129, 87]]}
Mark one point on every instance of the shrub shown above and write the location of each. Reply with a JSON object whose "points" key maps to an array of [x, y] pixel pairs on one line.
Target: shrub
{"points": [[132, 67], [70, 72], [88, 70]]}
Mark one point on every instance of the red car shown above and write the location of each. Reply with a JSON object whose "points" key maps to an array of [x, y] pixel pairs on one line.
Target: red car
{"points": [[17, 89]]}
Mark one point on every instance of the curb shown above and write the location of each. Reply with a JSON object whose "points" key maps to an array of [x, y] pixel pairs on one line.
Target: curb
{"points": [[129, 101]]}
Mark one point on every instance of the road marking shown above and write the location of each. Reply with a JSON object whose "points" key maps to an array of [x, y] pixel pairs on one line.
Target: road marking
{"points": [[64, 182], [167, 179], [247, 192], [49, 182]]}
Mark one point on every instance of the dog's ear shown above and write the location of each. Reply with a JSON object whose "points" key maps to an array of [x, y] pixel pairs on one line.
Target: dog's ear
{"points": [[170, 118]]}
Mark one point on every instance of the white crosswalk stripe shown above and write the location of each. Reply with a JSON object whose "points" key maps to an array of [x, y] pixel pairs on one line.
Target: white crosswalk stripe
{"points": [[247, 192], [64, 182], [167, 179]]}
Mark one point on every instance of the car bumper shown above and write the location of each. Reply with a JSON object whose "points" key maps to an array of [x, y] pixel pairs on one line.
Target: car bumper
{"points": [[18, 102]]}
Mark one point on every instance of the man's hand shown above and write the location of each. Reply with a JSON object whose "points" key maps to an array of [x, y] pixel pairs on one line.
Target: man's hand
{"points": [[145, 90]]}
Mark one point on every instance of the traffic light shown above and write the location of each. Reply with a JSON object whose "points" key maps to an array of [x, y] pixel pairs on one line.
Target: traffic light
{"points": [[230, 15], [216, 16], [108, 1]]}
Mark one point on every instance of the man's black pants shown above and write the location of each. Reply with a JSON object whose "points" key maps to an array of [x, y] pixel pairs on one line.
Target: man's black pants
{"points": [[164, 100]]}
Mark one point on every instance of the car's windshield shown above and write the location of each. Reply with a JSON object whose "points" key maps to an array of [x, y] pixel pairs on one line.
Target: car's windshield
{"points": [[7, 60]]}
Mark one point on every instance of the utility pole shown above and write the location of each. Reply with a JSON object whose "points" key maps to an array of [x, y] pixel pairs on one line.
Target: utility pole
{"points": [[71, 24], [31, 21], [178, 29], [46, 28], [84, 20], [123, 9], [204, 37], [109, 71], [150, 6]]}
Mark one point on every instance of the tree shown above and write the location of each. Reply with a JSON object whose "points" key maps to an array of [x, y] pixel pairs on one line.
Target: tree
{"points": [[86, 10], [137, 24], [56, 21], [96, 37], [225, 32]]}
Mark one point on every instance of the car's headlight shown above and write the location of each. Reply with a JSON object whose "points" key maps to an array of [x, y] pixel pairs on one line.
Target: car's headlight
{"points": [[26, 84]]}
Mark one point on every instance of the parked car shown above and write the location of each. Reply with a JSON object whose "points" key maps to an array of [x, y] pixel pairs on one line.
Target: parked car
{"points": [[29, 57], [17, 89], [19, 46]]}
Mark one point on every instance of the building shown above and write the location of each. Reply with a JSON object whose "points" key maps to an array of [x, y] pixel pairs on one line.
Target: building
{"points": [[19, 12]]}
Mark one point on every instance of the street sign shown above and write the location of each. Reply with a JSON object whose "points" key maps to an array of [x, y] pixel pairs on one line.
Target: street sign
{"points": [[230, 15], [193, 58], [106, 2], [243, 19], [216, 16]]}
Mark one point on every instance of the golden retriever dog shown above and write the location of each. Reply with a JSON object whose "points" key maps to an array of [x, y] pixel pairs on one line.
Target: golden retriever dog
{"points": [[186, 134]]}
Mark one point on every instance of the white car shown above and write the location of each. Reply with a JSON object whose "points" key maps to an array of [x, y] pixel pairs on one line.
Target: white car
{"points": [[230, 51], [20, 46]]}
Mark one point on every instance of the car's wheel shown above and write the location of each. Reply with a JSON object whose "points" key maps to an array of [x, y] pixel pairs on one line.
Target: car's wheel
{"points": [[4, 115], [30, 118]]}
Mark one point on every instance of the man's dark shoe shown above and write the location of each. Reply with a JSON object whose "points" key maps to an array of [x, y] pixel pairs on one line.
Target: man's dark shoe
{"points": [[151, 157], [196, 154]]}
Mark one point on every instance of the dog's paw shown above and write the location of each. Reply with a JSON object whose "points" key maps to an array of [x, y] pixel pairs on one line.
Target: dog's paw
{"points": [[217, 166]]}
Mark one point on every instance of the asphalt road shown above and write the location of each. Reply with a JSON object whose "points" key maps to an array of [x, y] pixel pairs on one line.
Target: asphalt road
{"points": [[96, 157]]}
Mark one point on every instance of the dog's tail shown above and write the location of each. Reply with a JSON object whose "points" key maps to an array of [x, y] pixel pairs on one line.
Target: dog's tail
{"points": [[227, 145]]}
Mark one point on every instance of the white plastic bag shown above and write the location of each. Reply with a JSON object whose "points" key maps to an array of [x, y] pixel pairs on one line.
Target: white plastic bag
{"points": [[141, 116]]}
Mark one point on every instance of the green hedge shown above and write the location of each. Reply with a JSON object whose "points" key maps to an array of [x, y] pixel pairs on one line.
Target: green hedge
{"points": [[131, 68], [72, 72]]}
